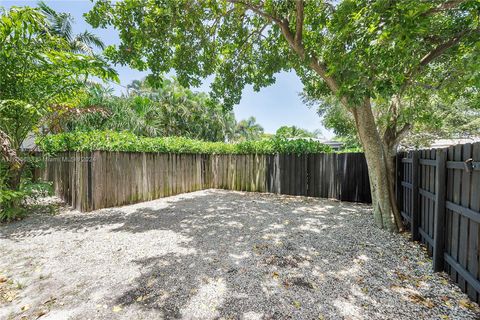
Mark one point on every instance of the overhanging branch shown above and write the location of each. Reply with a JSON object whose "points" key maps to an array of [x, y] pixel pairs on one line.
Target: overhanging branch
{"points": [[295, 41], [440, 49], [435, 53], [447, 5]]}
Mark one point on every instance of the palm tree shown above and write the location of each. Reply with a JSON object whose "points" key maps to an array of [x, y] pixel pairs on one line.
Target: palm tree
{"points": [[60, 24], [248, 129]]}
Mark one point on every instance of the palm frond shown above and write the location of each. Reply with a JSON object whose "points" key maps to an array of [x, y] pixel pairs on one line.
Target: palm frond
{"points": [[60, 23], [90, 39]]}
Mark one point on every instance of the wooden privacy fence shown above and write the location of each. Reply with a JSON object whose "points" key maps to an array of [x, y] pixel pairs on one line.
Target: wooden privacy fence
{"points": [[438, 193], [100, 179]]}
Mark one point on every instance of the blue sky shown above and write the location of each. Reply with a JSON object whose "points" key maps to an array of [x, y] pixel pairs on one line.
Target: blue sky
{"points": [[273, 106]]}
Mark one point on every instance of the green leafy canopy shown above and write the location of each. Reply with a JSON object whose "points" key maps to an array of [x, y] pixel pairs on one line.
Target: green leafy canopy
{"points": [[369, 48], [38, 69]]}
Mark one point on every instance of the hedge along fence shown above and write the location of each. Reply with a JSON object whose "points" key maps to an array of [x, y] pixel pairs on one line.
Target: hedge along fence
{"points": [[101, 179], [126, 141]]}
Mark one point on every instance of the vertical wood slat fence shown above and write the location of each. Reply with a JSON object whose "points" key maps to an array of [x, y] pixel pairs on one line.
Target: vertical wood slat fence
{"points": [[438, 193], [100, 179]]}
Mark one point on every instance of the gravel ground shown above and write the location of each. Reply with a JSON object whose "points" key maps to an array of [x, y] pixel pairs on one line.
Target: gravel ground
{"points": [[219, 255]]}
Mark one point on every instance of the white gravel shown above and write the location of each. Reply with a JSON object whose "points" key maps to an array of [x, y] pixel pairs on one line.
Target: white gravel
{"points": [[219, 255]]}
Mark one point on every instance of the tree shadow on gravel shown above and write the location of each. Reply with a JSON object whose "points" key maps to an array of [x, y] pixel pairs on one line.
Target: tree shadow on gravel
{"points": [[262, 256]]}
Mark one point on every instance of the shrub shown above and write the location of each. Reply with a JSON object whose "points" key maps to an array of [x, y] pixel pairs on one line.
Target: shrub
{"points": [[9, 204], [126, 141], [12, 202]]}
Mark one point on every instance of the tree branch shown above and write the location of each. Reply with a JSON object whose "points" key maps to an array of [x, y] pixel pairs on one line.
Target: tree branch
{"points": [[443, 7], [435, 53], [400, 134], [299, 22], [257, 10], [439, 50], [295, 41]]}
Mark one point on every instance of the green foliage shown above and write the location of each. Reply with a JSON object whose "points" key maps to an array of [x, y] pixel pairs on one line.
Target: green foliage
{"points": [[38, 70], [369, 47], [167, 109], [437, 117], [248, 129], [390, 56], [12, 206], [294, 132], [37, 66], [9, 204], [17, 119], [125, 141], [448, 120], [60, 24]]}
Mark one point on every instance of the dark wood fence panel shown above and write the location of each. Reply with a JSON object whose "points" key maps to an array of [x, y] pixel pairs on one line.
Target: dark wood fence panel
{"points": [[94, 180], [447, 182]]}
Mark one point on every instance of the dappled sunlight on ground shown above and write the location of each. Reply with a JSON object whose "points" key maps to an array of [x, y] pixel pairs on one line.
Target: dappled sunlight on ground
{"points": [[221, 255], [205, 302]]}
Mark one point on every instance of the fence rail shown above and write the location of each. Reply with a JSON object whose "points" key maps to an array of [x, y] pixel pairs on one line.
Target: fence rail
{"points": [[100, 179], [438, 193]]}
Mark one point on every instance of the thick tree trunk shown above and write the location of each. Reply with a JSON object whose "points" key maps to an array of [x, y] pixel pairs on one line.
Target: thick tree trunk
{"points": [[380, 169]]}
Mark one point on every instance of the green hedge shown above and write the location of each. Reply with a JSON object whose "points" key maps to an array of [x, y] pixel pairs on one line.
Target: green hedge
{"points": [[126, 141]]}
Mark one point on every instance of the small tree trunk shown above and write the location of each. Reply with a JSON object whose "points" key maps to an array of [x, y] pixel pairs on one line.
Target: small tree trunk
{"points": [[14, 177], [385, 212]]}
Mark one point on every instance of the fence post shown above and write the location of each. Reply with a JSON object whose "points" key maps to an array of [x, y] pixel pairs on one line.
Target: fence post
{"points": [[398, 180], [439, 228], [415, 223]]}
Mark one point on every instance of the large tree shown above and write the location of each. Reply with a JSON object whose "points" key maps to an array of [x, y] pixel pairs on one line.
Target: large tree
{"points": [[38, 72], [374, 56]]}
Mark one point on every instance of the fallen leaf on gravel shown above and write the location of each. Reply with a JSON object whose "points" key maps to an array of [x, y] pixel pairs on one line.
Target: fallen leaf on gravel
{"points": [[41, 313], [446, 301], [141, 298], [50, 301], [3, 279], [150, 282], [466, 304], [275, 274], [9, 296], [421, 300], [117, 309], [443, 316], [402, 276], [297, 304]]}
